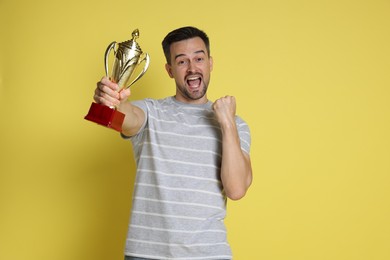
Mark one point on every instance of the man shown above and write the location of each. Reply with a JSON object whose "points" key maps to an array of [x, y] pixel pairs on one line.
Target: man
{"points": [[191, 155]]}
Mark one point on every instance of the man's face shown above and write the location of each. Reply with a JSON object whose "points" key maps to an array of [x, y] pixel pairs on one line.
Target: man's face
{"points": [[190, 67]]}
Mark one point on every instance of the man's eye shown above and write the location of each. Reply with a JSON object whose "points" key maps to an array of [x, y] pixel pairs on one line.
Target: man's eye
{"points": [[199, 59], [181, 62]]}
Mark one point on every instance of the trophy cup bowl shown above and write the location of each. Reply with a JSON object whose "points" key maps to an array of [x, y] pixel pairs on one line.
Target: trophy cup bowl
{"points": [[128, 56]]}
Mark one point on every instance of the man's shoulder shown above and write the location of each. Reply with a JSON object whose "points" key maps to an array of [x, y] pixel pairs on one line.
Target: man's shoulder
{"points": [[240, 120]]}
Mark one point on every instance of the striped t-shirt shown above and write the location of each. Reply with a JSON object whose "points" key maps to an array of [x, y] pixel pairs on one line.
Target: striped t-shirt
{"points": [[178, 201]]}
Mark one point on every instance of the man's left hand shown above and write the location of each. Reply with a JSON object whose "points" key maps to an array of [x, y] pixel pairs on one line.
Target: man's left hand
{"points": [[225, 110]]}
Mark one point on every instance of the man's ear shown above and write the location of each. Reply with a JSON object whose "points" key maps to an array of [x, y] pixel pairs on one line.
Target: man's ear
{"points": [[211, 63], [169, 70]]}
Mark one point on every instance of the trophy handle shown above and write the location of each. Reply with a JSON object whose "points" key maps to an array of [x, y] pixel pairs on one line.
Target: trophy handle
{"points": [[109, 48], [146, 58]]}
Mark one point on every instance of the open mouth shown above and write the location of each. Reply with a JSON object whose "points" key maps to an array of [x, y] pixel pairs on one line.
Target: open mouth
{"points": [[194, 81]]}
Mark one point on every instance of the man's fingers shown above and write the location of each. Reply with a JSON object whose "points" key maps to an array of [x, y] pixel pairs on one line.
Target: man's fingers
{"points": [[105, 81], [107, 92], [227, 100]]}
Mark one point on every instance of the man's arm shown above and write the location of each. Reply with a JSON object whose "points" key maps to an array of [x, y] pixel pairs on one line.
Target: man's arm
{"points": [[236, 169], [108, 93]]}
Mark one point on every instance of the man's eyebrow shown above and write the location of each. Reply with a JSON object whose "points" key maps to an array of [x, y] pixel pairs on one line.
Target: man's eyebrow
{"points": [[200, 51], [179, 55]]}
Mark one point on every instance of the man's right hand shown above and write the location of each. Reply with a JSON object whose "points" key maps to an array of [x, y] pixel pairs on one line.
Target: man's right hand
{"points": [[109, 94]]}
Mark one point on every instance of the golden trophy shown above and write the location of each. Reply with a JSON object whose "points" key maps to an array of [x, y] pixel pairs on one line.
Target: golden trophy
{"points": [[128, 56]]}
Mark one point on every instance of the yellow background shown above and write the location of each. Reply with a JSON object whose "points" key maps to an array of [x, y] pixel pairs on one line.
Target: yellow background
{"points": [[312, 79]]}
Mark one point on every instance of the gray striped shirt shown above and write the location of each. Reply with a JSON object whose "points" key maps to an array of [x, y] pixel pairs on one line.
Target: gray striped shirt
{"points": [[178, 201]]}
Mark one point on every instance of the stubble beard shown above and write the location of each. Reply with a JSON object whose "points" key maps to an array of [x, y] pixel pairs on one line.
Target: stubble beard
{"points": [[195, 95], [190, 95]]}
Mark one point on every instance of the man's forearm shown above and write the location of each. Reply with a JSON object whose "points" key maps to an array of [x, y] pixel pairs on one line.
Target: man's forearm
{"points": [[236, 171], [134, 118]]}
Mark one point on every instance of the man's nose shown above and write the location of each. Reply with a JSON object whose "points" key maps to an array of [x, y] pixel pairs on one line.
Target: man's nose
{"points": [[191, 67]]}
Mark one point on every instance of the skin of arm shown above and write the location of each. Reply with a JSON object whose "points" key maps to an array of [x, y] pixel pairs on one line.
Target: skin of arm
{"points": [[236, 170], [108, 93]]}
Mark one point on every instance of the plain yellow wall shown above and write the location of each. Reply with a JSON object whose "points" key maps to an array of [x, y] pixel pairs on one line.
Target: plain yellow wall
{"points": [[310, 77]]}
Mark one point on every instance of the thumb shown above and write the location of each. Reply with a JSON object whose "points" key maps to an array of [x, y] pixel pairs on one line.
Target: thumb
{"points": [[124, 94]]}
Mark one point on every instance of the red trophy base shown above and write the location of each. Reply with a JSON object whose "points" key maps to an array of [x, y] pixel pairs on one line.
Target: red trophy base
{"points": [[105, 116]]}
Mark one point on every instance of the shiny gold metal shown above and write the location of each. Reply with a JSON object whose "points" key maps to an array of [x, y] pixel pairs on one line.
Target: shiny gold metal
{"points": [[128, 56]]}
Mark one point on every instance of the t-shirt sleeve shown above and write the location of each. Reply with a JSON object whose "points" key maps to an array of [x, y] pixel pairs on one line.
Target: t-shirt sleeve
{"points": [[244, 134]]}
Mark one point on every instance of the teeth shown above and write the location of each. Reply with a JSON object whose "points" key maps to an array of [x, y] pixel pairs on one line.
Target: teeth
{"points": [[192, 78]]}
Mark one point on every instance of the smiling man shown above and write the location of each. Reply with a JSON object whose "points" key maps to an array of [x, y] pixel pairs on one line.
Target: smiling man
{"points": [[190, 65], [191, 154]]}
